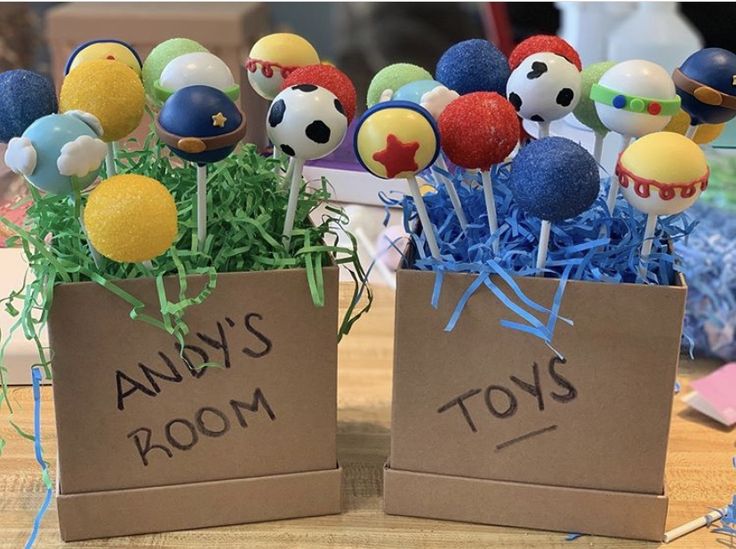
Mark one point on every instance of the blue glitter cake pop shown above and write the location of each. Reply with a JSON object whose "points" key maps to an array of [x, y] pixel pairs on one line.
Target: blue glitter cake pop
{"points": [[25, 97], [473, 65], [554, 179], [705, 83]]}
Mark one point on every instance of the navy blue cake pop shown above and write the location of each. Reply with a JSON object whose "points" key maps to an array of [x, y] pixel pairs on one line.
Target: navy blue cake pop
{"points": [[554, 179], [25, 97], [706, 83], [472, 66], [200, 124]]}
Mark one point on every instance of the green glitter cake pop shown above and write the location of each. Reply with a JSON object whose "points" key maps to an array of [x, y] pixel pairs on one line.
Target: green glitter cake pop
{"points": [[392, 78], [160, 56], [585, 111]]}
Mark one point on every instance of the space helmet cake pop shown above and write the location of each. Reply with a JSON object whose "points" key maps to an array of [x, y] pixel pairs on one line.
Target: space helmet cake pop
{"points": [[160, 56], [473, 65], [706, 83], [199, 68]]}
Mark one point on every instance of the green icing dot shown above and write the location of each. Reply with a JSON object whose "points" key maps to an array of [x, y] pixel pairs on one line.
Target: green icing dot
{"points": [[160, 57], [392, 78], [585, 111]]}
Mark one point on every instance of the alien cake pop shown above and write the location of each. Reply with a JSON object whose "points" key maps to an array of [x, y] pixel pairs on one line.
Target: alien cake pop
{"points": [[473, 65], [389, 79], [196, 69], [706, 84], [160, 56], [661, 173], [25, 97], [634, 98], [110, 49], [305, 122], [203, 125], [273, 58], [553, 179], [478, 130], [585, 110], [400, 139]]}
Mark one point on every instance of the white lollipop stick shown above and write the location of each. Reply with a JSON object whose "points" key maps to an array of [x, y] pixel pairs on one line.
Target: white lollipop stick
{"points": [[296, 179], [201, 205], [613, 191], [691, 131], [490, 205], [543, 129], [598, 147], [452, 193], [424, 217], [543, 246], [110, 161], [693, 525], [646, 245]]}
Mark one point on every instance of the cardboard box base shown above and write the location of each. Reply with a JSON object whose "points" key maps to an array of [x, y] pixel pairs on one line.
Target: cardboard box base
{"points": [[199, 505], [542, 507]]}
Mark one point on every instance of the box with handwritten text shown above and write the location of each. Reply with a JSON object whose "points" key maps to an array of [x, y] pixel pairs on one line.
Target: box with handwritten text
{"points": [[490, 425], [236, 425]]}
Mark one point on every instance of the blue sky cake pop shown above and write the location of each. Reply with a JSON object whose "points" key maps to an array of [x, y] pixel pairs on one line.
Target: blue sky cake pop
{"points": [[389, 79], [553, 179], [706, 83], [25, 97], [105, 48], [473, 65]]}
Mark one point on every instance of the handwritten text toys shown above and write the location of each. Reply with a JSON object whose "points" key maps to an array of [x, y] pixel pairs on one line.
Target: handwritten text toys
{"points": [[585, 110], [196, 69], [160, 56], [273, 57], [553, 179], [110, 49], [400, 139], [389, 79], [131, 218], [112, 92], [634, 98], [473, 65], [25, 97], [661, 173], [706, 83], [479, 130], [305, 122], [60, 154], [203, 125]]}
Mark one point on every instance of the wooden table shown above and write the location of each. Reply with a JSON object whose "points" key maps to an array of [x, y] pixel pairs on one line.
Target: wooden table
{"points": [[699, 473]]}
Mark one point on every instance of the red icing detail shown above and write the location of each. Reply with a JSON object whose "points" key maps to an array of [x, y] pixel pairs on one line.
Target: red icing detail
{"points": [[544, 43], [110, 57], [479, 129], [397, 157], [267, 67], [331, 79], [654, 108], [665, 191]]}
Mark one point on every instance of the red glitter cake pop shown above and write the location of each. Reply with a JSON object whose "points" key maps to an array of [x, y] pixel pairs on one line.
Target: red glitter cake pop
{"points": [[544, 43], [329, 78]]}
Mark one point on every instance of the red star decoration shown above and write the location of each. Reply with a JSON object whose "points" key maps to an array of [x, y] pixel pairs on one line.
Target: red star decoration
{"points": [[397, 157]]}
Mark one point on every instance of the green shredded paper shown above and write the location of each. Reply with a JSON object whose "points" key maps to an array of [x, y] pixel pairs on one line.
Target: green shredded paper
{"points": [[247, 196]]}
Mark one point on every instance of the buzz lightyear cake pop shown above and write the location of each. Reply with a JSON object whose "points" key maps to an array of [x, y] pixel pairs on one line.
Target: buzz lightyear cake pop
{"points": [[196, 69], [161, 56]]}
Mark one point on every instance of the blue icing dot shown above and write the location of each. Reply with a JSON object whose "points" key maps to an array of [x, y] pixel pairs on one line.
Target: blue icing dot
{"points": [[25, 97], [619, 101], [554, 179], [473, 65]]}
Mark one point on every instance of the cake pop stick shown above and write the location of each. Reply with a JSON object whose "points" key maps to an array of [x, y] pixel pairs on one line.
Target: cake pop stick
{"points": [[661, 173], [585, 111], [479, 130], [305, 122], [203, 125], [553, 179]]}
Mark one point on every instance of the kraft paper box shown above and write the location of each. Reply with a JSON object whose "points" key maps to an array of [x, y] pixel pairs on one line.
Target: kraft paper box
{"points": [[490, 426], [149, 442]]}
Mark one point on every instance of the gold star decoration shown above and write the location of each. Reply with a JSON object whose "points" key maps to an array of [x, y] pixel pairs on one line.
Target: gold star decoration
{"points": [[219, 120]]}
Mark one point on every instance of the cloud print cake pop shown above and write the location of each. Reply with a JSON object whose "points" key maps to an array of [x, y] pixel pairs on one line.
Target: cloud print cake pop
{"points": [[473, 65], [553, 179], [706, 83], [25, 97], [389, 79]]}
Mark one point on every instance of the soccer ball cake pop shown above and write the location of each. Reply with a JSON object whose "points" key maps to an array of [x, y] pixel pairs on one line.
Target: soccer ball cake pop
{"points": [[25, 97], [400, 139], [473, 65], [160, 56], [544, 87], [662, 173], [273, 58], [391, 78], [329, 78], [108, 48], [706, 83], [196, 69]]}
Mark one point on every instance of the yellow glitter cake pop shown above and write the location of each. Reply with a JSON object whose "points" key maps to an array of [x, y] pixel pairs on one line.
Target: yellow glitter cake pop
{"points": [[108, 89], [131, 218]]}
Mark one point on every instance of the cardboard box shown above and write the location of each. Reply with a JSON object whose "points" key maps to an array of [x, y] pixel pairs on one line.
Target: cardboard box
{"points": [[148, 442], [490, 426]]}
